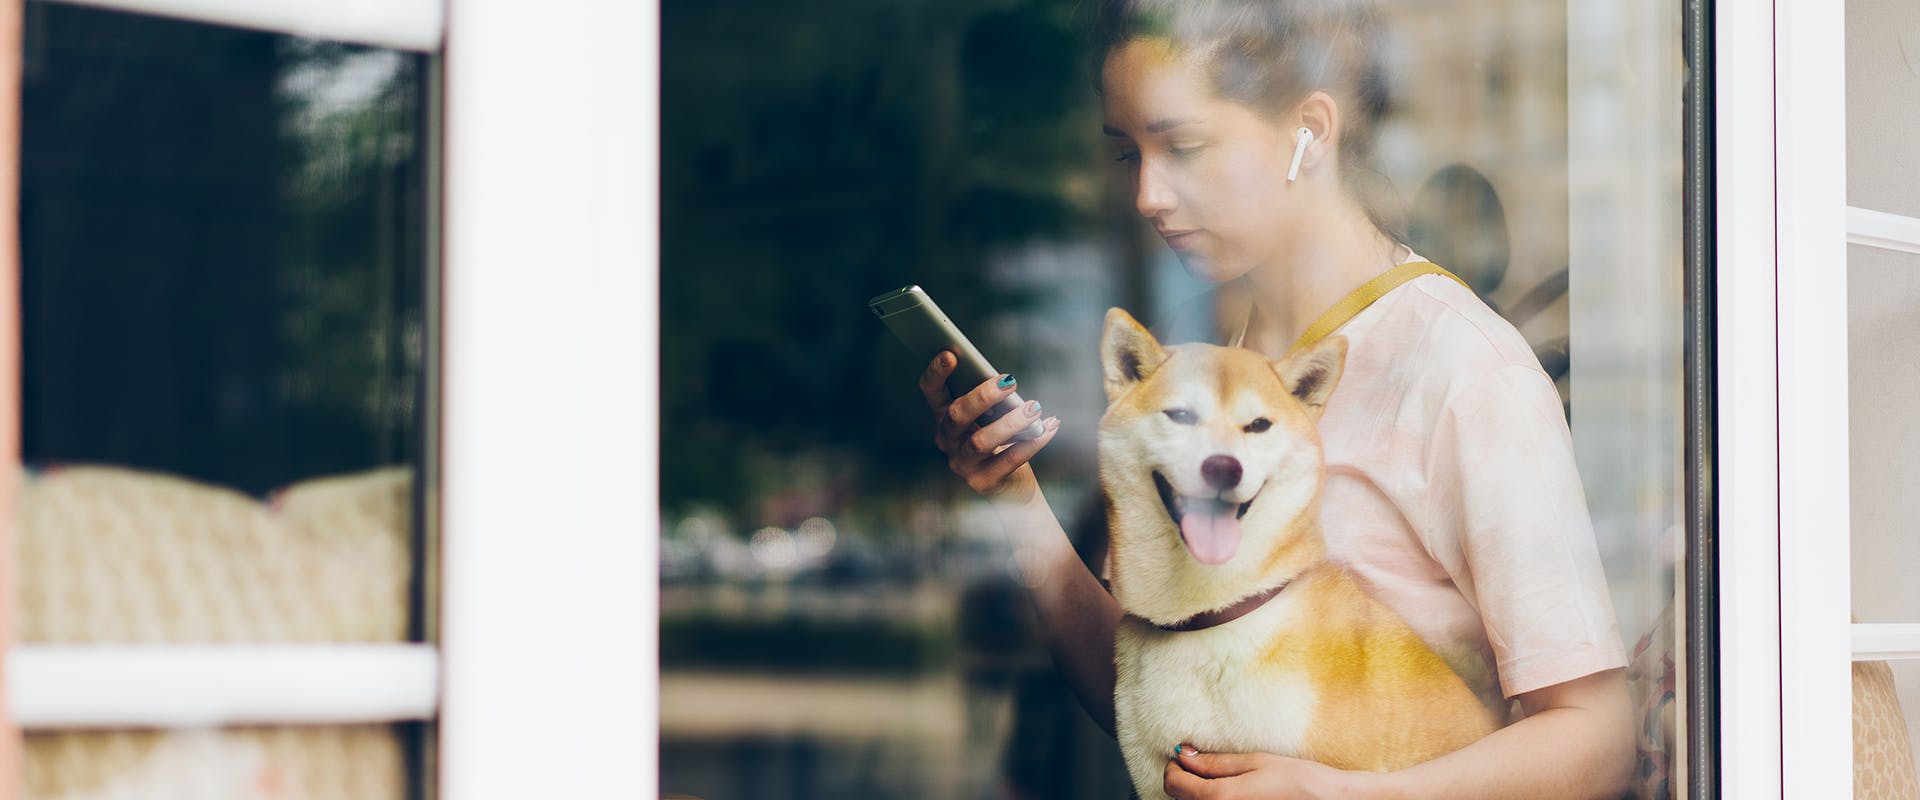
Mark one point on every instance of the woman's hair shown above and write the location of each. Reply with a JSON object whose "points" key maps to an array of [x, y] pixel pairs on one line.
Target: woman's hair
{"points": [[1268, 55]]}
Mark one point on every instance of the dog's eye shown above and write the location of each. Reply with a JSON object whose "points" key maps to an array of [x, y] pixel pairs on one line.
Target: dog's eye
{"points": [[1181, 416], [1258, 425]]}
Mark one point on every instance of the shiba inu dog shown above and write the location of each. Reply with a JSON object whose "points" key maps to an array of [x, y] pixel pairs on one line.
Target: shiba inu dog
{"points": [[1240, 636]]}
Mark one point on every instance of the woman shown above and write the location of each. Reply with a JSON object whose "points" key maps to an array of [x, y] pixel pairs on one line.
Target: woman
{"points": [[1451, 490]]}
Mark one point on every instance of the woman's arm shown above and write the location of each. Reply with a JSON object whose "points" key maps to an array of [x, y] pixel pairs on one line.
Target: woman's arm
{"points": [[1575, 742], [1076, 613]]}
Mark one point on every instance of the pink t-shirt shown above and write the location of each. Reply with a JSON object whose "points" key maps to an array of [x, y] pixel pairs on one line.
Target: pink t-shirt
{"points": [[1452, 494], [1451, 490]]}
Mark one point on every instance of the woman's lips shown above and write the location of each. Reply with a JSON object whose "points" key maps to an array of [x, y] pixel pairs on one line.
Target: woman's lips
{"points": [[1179, 240]]}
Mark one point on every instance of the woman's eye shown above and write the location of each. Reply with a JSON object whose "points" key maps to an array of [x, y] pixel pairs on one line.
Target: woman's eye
{"points": [[1258, 425], [1185, 151], [1181, 416], [1127, 158]]}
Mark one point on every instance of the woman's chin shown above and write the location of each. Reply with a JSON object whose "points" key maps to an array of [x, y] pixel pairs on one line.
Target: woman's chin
{"points": [[1207, 269]]}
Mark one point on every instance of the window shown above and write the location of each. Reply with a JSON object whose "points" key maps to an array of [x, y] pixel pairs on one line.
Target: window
{"points": [[839, 613], [224, 283]]}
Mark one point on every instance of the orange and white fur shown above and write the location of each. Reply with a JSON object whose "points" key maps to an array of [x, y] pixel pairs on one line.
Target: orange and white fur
{"points": [[1212, 468]]}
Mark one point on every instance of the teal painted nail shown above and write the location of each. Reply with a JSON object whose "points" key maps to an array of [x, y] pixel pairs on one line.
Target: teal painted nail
{"points": [[1176, 751], [1006, 380]]}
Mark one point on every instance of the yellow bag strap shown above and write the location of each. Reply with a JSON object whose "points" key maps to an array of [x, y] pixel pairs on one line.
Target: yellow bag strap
{"points": [[1351, 305]]}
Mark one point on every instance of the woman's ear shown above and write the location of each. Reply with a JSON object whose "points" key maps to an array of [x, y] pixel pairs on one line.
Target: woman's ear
{"points": [[1321, 117]]}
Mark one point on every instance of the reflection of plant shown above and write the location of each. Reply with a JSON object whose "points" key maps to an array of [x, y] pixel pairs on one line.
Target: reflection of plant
{"points": [[811, 160], [221, 241], [350, 250]]}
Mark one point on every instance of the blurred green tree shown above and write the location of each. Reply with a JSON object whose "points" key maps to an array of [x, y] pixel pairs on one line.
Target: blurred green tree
{"points": [[814, 155]]}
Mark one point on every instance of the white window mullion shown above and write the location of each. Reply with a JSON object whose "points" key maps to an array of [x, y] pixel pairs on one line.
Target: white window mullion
{"points": [[549, 543], [1886, 642], [1815, 537], [1747, 461], [188, 686], [1883, 230]]}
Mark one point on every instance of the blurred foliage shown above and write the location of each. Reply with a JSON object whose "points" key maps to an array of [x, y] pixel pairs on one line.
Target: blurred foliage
{"points": [[351, 249], [814, 155], [222, 237]]}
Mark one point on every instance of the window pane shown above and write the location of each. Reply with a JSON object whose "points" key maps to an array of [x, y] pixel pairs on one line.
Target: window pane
{"points": [[222, 236], [1883, 330], [1883, 76], [223, 269], [837, 603]]}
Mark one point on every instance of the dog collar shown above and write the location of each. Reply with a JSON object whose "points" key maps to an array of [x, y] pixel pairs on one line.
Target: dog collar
{"points": [[1209, 619]]}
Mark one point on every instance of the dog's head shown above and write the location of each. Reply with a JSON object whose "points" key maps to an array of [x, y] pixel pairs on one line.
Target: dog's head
{"points": [[1212, 467]]}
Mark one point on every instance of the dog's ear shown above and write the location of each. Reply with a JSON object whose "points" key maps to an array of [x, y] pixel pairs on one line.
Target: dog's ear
{"points": [[1310, 374], [1128, 353]]}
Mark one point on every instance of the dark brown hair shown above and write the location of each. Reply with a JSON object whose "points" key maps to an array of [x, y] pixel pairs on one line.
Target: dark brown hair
{"points": [[1268, 55]]}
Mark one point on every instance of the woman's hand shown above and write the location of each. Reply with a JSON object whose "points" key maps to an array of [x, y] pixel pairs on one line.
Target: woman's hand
{"points": [[1193, 775], [987, 458]]}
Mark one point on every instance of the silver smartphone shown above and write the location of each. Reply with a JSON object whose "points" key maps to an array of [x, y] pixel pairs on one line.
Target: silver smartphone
{"points": [[920, 325]]}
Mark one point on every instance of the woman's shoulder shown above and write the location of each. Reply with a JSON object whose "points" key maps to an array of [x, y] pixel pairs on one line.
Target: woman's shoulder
{"points": [[1452, 325], [1434, 338]]}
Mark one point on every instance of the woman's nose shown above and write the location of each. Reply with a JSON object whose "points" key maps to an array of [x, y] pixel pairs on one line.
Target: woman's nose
{"points": [[1153, 198]]}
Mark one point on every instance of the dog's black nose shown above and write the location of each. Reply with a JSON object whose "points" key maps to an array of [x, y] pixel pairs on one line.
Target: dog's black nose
{"points": [[1221, 472]]}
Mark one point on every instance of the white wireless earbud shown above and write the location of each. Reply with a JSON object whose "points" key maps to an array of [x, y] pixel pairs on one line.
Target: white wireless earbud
{"points": [[1303, 138]]}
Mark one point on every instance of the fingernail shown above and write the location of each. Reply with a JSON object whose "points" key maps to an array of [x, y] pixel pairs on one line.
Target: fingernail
{"points": [[1190, 750], [1006, 380], [1176, 750], [1053, 423], [1033, 408]]}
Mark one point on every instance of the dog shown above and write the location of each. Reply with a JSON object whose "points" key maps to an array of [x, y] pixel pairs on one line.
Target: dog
{"points": [[1239, 634]]}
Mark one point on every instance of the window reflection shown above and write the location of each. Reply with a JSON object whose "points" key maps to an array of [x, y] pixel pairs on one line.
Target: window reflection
{"points": [[222, 237], [811, 161]]}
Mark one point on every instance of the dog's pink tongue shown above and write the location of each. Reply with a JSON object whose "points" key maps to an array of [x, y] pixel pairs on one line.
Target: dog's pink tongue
{"points": [[1211, 538]]}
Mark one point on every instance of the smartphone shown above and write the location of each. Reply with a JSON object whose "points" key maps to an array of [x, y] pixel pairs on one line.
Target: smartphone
{"points": [[920, 325]]}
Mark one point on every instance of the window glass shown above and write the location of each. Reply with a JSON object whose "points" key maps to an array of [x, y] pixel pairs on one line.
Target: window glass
{"points": [[222, 236], [1883, 330], [843, 614], [223, 270], [1883, 72]]}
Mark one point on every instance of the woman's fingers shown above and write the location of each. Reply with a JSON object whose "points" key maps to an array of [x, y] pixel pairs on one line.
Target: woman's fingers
{"points": [[933, 381], [992, 472], [988, 439], [1181, 784], [968, 407], [1218, 765]]}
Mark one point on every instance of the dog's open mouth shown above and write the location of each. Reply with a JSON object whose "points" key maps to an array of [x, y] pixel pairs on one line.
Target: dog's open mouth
{"points": [[1209, 527]]}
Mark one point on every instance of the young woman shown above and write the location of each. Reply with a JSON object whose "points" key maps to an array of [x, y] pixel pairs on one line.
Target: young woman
{"points": [[1451, 489]]}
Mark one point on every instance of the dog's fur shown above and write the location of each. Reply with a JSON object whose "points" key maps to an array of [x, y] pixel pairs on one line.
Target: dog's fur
{"points": [[1320, 671]]}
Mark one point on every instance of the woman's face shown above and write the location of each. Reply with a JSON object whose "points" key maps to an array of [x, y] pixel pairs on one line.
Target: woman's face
{"points": [[1210, 174]]}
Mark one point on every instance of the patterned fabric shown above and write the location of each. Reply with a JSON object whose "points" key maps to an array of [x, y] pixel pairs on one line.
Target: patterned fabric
{"points": [[118, 556], [1882, 752]]}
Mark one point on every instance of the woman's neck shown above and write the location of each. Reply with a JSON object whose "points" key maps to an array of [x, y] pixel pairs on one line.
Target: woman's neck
{"points": [[1338, 250]]}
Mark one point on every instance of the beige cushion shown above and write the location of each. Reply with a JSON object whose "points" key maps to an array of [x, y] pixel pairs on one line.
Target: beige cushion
{"points": [[1882, 753], [111, 555]]}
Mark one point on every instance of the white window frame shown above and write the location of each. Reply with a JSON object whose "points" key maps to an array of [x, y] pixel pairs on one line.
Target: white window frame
{"points": [[550, 489], [1782, 409], [544, 678]]}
